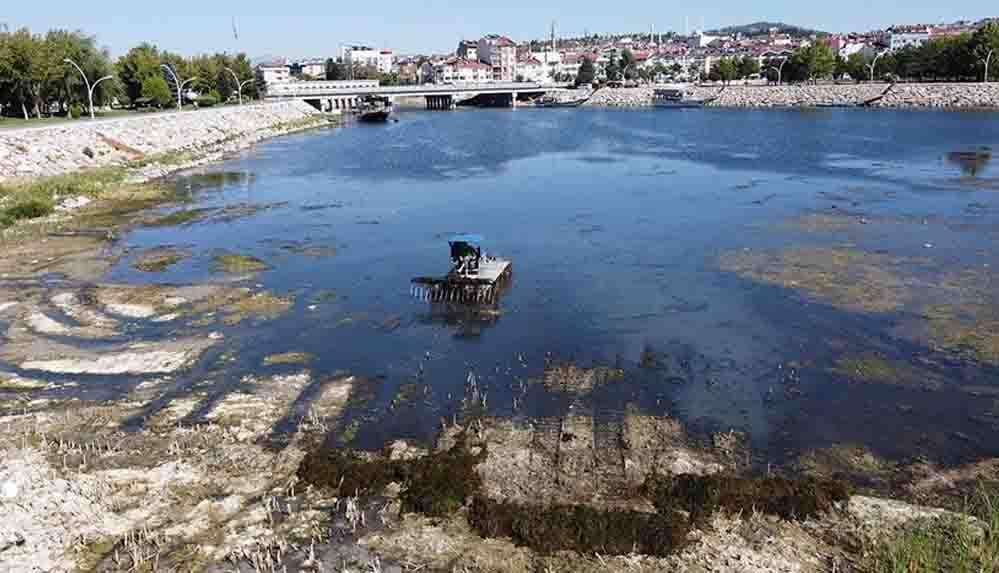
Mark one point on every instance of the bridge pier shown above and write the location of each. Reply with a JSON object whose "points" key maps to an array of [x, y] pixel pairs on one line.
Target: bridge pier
{"points": [[440, 102]]}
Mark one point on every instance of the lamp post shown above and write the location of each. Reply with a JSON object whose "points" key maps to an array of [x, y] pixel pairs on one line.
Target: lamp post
{"points": [[780, 70], [91, 88], [180, 85], [875, 62], [239, 85], [987, 60]]}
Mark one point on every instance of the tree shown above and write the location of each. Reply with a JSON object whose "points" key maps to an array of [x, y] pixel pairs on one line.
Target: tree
{"points": [[587, 73], [724, 70], [984, 40], [627, 64], [856, 66], [748, 66], [21, 71], [156, 92], [812, 62], [334, 70], [612, 70], [62, 84], [135, 67]]}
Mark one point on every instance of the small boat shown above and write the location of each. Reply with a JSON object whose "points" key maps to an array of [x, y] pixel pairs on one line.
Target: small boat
{"points": [[374, 109], [551, 101], [675, 98], [474, 278]]}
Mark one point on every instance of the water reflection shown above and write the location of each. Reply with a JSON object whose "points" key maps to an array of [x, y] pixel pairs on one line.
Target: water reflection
{"points": [[972, 163]]}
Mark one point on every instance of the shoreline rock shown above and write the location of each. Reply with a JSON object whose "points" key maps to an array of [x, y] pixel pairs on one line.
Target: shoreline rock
{"points": [[900, 96], [206, 134]]}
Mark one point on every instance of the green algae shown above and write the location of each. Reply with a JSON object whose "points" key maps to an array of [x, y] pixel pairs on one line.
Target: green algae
{"points": [[877, 369], [180, 217], [288, 358], [260, 306], [846, 278], [233, 263], [158, 260]]}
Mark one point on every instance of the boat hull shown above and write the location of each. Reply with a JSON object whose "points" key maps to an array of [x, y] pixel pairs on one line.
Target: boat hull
{"points": [[378, 116], [680, 105]]}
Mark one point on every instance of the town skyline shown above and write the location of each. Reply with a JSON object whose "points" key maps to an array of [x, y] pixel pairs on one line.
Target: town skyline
{"points": [[224, 29]]}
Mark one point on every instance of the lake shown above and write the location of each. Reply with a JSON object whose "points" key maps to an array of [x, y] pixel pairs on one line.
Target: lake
{"points": [[807, 277]]}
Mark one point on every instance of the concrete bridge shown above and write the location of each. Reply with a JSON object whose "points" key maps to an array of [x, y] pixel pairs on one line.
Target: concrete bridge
{"points": [[347, 94]]}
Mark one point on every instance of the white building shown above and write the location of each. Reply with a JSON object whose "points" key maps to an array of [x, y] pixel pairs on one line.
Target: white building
{"points": [[272, 73], [901, 37], [847, 50], [551, 60], [457, 70], [501, 54], [363, 56], [569, 65], [701, 40], [532, 70], [314, 67]]}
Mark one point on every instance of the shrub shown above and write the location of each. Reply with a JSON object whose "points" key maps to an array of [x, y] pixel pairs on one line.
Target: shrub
{"points": [[156, 91], [25, 209], [75, 111], [206, 100]]}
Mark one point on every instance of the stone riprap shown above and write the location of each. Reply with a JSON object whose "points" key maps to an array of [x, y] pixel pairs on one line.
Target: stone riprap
{"points": [[956, 96], [65, 148]]}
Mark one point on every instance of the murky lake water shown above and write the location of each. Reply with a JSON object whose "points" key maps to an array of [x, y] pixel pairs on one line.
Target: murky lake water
{"points": [[616, 222]]}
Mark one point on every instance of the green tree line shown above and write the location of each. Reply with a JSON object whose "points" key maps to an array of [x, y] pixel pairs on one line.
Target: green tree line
{"points": [[949, 58], [35, 79]]}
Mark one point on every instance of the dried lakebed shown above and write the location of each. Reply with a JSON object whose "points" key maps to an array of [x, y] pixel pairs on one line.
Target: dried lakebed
{"points": [[236, 381]]}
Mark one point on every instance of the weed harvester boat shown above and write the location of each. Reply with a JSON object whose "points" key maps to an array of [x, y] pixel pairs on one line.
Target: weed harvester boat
{"points": [[474, 278]]}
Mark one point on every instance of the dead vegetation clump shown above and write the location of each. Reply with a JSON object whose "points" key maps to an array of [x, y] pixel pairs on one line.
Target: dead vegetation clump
{"points": [[580, 528], [701, 497], [568, 378], [436, 485]]}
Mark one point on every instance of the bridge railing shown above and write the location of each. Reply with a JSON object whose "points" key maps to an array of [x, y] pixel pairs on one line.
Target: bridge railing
{"points": [[303, 89]]}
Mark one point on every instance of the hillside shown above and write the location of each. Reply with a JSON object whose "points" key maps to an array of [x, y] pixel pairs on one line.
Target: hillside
{"points": [[758, 28]]}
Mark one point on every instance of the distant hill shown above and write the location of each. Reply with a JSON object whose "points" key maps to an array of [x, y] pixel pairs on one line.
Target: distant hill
{"points": [[758, 28]]}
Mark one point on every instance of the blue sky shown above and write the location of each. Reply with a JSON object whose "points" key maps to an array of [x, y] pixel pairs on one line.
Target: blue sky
{"points": [[305, 28]]}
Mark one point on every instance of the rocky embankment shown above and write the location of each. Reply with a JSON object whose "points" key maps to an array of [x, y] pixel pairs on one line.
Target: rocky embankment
{"points": [[955, 96], [64, 148]]}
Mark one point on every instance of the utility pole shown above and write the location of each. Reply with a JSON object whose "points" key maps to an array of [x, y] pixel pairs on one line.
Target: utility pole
{"points": [[180, 85], [91, 88]]}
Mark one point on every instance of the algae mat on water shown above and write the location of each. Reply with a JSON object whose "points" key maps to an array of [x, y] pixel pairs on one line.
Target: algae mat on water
{"points": [[238, 264], [953, 310]]}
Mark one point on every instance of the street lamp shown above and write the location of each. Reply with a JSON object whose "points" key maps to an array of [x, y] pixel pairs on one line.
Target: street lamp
{"points": [[875, 62], [780, 70], [239, 85], [987, 60], [91, 88], [180, 85]]}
